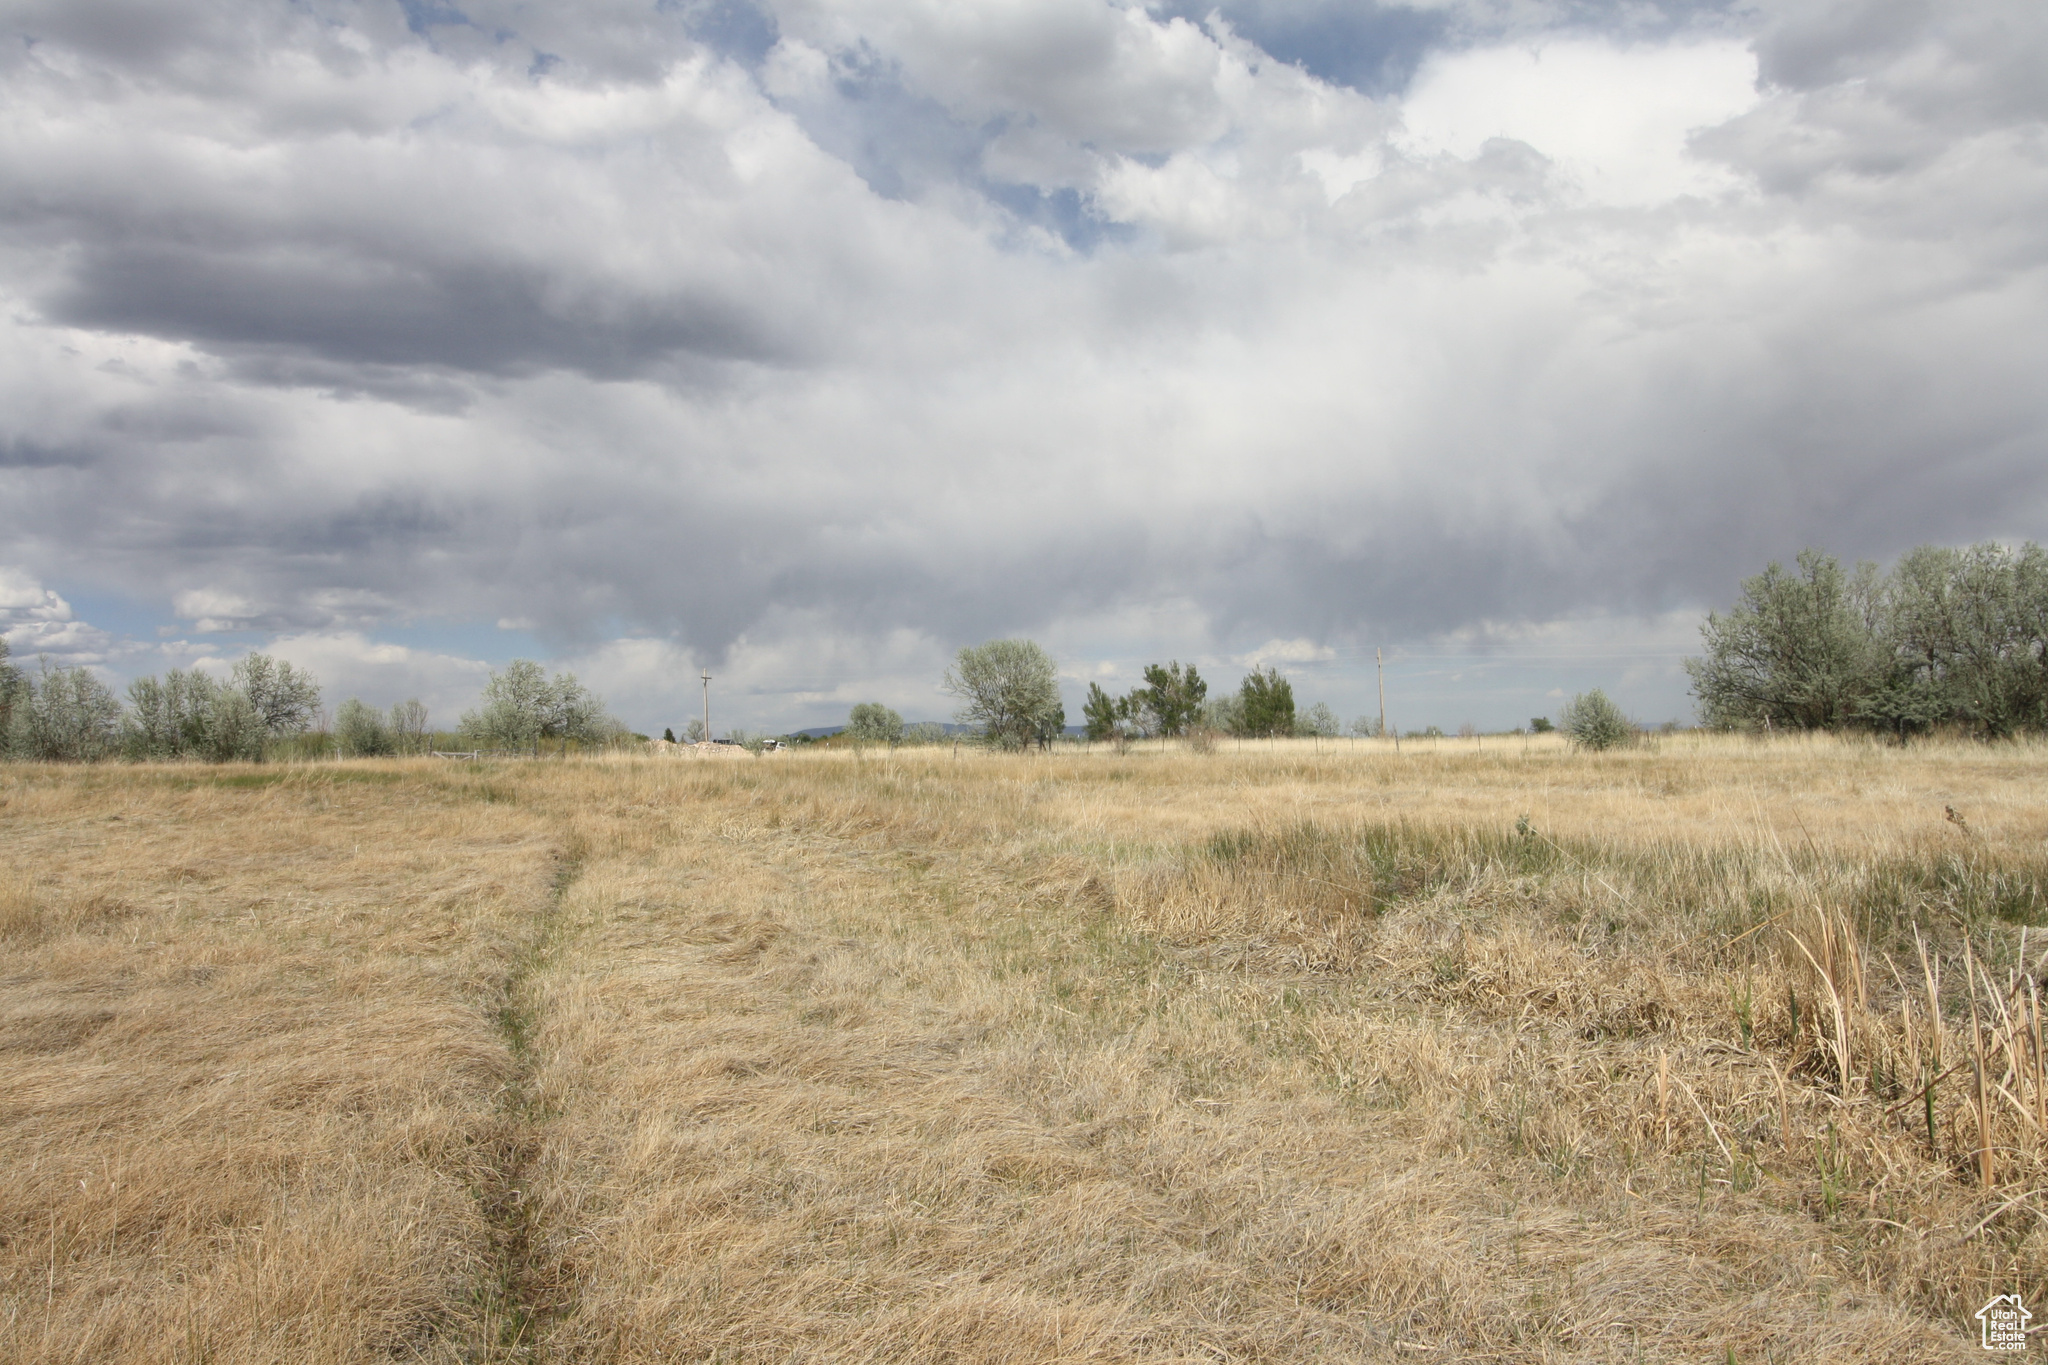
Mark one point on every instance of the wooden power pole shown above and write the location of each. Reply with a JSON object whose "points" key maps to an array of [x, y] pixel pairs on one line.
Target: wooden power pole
{"points": [[1380, 663], [707, 706]]}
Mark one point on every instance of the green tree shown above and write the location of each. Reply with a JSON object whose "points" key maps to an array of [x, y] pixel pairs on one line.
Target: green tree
{"points": [[62, 715], [1967, 637], [286, 698], [1101, 714], [228, 727], [149, 729], [576, 713], [523, 706], [514, 709], [156, 723], [10, 688], [1009, 690], [873, 723], [1594, 722], [1173, 695], [1798, 652], [191, 715], [360, 731], [1049, 724], [1949, 637], [1540, 725], [1265, 704]]}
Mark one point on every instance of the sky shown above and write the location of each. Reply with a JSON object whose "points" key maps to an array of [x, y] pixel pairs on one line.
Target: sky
{"points": [[807, 341]]}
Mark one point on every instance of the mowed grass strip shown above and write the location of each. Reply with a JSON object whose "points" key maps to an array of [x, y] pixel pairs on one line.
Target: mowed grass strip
{"points": [[1291, 1054], [252, 1058]]}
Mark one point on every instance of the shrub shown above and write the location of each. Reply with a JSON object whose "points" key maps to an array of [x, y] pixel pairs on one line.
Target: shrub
{"points": [[409, 727], [234, 727], [873, 723], [1594, 722], [285, 698], [360, 731], [1318, 720], [190, 715], [62, 715]]}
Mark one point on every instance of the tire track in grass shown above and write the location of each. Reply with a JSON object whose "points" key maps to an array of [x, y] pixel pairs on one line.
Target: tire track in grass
{"points": [[523, 1290]]}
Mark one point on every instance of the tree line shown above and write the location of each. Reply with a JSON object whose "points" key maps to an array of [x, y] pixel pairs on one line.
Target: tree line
{"points": [[1174, 701], [266, 706], [60, 714], [1009, 692], [1949, 639]]}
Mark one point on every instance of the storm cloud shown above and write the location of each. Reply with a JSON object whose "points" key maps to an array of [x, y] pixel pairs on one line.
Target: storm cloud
{"points": [[814, 338]]}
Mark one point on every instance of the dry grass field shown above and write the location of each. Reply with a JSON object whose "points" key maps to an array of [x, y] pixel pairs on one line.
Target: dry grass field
{"points": [[1713, 1050]]}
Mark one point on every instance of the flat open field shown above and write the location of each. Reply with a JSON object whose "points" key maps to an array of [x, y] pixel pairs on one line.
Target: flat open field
{"points": [[1714, 1050]]}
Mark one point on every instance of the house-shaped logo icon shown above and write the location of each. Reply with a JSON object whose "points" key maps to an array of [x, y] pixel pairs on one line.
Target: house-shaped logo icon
{"points": [[2005, 1323]]}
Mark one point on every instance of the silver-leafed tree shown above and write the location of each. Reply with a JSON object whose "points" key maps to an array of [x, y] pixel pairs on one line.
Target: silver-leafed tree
{"points": [[1009, 691]]}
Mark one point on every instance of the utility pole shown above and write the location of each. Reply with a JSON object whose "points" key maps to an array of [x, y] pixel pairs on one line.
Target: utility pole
{"points": [[1380, 663], [707, 706]]}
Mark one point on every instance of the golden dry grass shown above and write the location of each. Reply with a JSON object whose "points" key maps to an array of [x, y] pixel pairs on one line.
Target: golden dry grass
{"points": [[1283, 1052]]}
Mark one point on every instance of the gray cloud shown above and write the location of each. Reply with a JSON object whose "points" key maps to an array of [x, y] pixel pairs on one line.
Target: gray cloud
{"points": [[352, 309], [131, 33]]}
